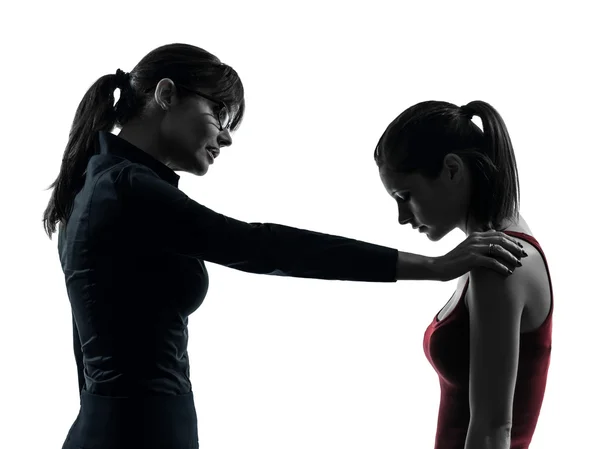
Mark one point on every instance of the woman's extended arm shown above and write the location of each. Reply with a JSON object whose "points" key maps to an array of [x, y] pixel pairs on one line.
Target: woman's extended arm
{"points": [[173, 221]]}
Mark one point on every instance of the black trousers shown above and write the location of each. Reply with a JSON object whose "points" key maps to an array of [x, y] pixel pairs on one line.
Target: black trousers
{"points": [[152, 422]]}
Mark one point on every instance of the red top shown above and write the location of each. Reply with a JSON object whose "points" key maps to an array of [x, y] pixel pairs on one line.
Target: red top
{"points": [[446, 346]]}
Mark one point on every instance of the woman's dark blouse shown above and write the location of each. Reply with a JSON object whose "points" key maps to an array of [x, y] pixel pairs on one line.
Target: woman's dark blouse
{"points": [[134, 250]]}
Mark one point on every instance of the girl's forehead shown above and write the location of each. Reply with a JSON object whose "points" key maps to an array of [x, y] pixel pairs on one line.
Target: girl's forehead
{"points": [[396, 181], [395, 176]]}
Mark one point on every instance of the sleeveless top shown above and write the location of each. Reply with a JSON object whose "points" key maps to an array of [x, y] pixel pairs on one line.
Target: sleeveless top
{"points": [[446, 346]]}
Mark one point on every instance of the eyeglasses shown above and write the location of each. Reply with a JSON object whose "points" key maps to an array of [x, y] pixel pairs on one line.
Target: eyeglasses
{"points": [[223, 115]]}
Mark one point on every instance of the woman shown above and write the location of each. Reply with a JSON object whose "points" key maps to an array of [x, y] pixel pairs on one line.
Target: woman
{"points": [[490, 344], [133, 246]]}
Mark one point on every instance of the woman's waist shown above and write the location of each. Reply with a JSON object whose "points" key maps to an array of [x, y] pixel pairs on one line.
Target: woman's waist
{"points": [[125, 382], [153, 421]]}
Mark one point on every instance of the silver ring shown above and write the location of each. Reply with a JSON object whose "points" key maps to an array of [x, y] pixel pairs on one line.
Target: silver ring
{"points": [[490, 248]]}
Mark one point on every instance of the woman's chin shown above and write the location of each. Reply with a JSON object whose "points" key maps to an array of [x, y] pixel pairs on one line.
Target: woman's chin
{"points": [[200, 166], [432, 234]]}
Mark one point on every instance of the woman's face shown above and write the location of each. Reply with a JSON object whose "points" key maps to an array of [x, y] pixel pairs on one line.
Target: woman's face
{"points": [[189, 131], [434, 207]]}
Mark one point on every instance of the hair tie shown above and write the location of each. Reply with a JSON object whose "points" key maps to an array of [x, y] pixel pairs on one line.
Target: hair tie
{"points": [[467, 111], [122, 79]]}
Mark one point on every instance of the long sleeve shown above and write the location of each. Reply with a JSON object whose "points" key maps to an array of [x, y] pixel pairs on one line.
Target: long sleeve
{"points": [[78, 355], [172, 220], [76, 339]]}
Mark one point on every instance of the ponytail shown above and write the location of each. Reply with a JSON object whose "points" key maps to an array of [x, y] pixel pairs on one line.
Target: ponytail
{"points": [[96, 112], [498, 195]]}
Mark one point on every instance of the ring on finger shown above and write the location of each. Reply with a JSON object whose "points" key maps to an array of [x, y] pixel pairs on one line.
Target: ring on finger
{"points": [[490, 248]]}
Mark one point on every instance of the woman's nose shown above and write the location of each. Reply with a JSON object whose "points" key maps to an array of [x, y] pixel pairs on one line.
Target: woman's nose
{"points": [[404, 215], [224, 139]]}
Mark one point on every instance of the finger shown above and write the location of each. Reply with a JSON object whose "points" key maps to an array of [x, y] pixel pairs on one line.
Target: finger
{"points": [[505, 257], [505, 241], [494, 233], [497, 266], [509, 244]]}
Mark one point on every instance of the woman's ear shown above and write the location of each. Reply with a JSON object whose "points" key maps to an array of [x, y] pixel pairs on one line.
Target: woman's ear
{"points": [[165, 94], [454, 167]]}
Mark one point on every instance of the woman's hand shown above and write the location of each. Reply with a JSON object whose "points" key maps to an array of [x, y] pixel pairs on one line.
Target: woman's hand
{"points": [[503, 256]]}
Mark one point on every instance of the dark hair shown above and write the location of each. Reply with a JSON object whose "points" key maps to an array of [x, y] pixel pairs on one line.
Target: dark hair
{"points": [[186, 65], [419, 139]]}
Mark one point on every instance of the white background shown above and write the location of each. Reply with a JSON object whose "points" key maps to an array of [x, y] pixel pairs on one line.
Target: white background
{"points": [[287, 363]]}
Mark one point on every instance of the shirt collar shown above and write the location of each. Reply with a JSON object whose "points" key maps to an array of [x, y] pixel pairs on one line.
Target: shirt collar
{"points": [[115, 145]]}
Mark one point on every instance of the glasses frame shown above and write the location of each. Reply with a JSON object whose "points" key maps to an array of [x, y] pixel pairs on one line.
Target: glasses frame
{"points": [[214, 100]]}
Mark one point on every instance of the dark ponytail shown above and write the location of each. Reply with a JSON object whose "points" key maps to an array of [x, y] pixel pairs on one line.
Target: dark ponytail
{"points": [[498, 195], [419, 139], [186, 65], [95, 113]]}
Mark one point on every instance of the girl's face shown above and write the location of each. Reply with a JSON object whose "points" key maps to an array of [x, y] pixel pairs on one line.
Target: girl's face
{"points": [[434, 207]]}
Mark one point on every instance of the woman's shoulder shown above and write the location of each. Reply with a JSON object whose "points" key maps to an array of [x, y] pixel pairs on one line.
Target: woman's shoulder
{"points": [[528, 286], [521, 227], [512, 285]]}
